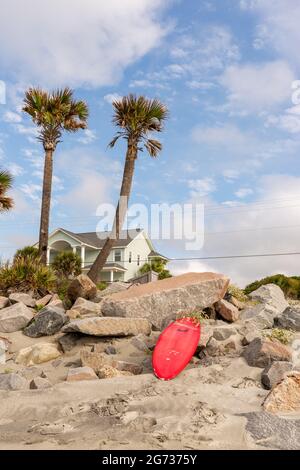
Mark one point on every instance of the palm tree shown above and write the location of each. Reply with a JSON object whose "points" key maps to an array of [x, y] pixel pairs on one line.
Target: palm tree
{"points": [[137, 118], [53, 113], [6, 203]]}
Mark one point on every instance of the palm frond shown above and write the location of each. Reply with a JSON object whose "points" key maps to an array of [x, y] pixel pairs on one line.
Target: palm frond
{"points": [[153, 147]]}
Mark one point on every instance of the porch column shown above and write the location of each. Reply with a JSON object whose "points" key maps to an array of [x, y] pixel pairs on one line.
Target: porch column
{"points": [[82, 256], [74, 250], [111, 276], [48, 255]]}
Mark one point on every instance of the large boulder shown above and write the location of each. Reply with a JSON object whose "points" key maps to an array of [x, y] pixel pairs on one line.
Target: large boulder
{"points": [[260, 316], [4, 302], [21, 297], [274, 373], [37, 354], [47, 322], [12, 381], [105, 326], [161, 301], [86, 307], [289, 319], [227, 310], [285, 396], [15, 318], [261, 352], [82, 286], [112, 288], [272, 295]]}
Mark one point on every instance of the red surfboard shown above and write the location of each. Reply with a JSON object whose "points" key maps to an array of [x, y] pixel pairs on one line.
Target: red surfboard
{"points": [[175, 348]]}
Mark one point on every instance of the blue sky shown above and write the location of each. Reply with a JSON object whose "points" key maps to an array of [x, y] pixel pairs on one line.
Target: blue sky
{"points": [[224, 69]]}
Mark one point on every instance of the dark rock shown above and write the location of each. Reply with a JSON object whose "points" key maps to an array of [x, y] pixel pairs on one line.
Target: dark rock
{"points": [[262, 352], [68, 341], [271, 431], [110, 350], [47, 322], [289, 319], [274, 373]]}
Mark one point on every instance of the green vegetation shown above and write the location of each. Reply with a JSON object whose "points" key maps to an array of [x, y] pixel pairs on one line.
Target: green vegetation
{"points": [[30, 251], [197, 315], [237, 293], [6, 179], [67, 264], [159, 266], [289, 285], [27, 274], [279, 334], [101, 285]]}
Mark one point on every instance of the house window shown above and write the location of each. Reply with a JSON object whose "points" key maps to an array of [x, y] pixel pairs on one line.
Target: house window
{"points": [[130, 257], [138, 260], [117, 256]]}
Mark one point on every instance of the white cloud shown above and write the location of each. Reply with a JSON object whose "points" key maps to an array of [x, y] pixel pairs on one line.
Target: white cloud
{"points": [[243, 192], [258, 87], [88, 136], [84, 44], [201, 187], [230, 174], [198, 85], [11, 116], [15, 169], [33, 191], [111, 97]]}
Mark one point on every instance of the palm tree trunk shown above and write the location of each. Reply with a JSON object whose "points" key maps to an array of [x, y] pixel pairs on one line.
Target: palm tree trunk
{"points": [[45, 210], [121, 210]]}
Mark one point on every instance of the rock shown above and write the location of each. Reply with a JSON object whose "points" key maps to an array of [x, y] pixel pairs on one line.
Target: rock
{"points": [[289, 319], [205, 335], [4, 302], [249, 335], [271, 431], [107, 372], [262, 352], [2, 352], [259, 316], [227, 311], [97, 360], [82, 286], [272, 295], [12, 382], [26, 299], [285, 396], [237, 303], [47, 322], [44, 300], [40, 352], [161, 300], [274, 373], [6, 343], [56, 302], [86, 307], [212, 348], [72, 314], [143, 343], [39, 383], [68, 341], [15, 317], [81, 373], [112, 288], [105, 326], [222, 333], [110, 350]]}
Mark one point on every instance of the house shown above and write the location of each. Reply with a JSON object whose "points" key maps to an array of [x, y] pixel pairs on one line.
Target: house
{"points": [[126, 258]]}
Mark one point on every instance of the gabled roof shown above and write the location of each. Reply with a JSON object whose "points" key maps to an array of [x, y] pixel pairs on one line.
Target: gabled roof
{"points": [[97, 240], [155, 254]]}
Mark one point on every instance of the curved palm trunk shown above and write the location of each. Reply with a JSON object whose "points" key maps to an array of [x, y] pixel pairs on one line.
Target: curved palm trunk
{"points": [[45, 210], [121, 210]]}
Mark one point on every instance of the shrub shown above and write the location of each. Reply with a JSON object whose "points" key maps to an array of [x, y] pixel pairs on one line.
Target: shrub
{"points": [[157, 265], [289, 285], [282, 335], [102, 285], [237, 293], [26, 251], [27, 274], [67, 264]]}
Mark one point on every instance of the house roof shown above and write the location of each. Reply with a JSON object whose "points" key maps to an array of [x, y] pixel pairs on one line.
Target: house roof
{"points": [[110, 265], [97, 239], [155, 254]]}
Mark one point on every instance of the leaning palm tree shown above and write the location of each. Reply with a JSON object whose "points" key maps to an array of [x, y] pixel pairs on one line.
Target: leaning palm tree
{"points": [[137, 118], [53, 113], [6, 203]]}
